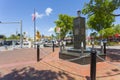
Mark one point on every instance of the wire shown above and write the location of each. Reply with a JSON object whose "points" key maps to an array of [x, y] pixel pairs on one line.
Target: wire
{"points": [[77, 58], [45, 52], [107, 61]]}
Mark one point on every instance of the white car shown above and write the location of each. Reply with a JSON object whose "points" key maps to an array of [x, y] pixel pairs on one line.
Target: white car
{"points": [[50, 44]]}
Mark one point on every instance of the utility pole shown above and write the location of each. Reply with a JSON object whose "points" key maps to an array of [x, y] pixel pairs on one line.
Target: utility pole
{"points": [[21, 37]]}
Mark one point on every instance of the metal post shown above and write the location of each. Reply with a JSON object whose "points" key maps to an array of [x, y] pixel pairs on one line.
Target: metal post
{"points": [[92, 44], [82, 52], [34, 29], [82, 48], [38, 52], [101, 47], [53, 46], [21, 38], [60, 44], [104, 48], [93, 65]]}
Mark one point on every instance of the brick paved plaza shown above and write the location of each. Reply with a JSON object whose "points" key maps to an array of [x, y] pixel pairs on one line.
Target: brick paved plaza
{"points": [[21, 64]]}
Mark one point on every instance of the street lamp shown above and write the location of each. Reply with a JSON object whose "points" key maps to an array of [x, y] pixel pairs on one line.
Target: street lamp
{"points": [[20, 22]]}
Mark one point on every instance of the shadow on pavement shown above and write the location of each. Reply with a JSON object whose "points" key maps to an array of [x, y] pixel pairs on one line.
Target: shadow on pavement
{"points": [[110, 74], [87, 78], [113, 55], [29, 73]]}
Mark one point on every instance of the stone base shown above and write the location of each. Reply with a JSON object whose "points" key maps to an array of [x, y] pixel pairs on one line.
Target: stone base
{"points": [[87, 50], [68, 54]]}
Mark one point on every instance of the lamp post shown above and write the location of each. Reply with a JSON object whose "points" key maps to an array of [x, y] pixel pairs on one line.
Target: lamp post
{"points": [[19, 22]]}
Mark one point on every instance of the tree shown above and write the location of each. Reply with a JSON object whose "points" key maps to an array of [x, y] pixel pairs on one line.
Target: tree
{"points": [[105, 33], [116, 4], [65, 23], [99, 13], [52, 36], [117, 28], [3, 37], [12, 37]]}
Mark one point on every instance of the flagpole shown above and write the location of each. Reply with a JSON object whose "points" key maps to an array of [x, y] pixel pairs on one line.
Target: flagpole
{"points": [[34, 29]]}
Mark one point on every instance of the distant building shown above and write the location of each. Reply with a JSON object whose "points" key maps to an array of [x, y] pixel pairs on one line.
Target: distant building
{"points": [[115, 38]]}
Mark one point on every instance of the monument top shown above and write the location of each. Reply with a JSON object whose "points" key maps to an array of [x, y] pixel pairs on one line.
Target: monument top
{"points": [[78, 13]]}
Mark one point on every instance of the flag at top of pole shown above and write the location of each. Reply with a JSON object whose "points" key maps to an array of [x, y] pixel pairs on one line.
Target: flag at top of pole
{"points": [[34, 16]]}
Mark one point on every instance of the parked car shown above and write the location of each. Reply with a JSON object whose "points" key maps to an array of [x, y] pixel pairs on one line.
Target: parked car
{"points": [[1, 44], [8, 43], [50, 44]]}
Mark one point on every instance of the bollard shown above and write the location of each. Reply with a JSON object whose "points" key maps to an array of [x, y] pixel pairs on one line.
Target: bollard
{"points": [[60, 44], [82, 52], [82, 49], [101, 47], [92, 44], [38, 52], [93, 65], [104, 48], [53, 46]]}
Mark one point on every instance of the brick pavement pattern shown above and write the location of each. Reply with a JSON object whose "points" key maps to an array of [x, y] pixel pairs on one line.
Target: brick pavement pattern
{"points": [[22, 65]]}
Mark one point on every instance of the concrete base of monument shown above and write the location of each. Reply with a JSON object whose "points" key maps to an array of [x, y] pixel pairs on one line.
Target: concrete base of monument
{"points": [[78, 57]]}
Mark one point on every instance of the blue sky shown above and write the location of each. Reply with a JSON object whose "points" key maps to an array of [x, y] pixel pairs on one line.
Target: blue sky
{"points": [[47, 12]]}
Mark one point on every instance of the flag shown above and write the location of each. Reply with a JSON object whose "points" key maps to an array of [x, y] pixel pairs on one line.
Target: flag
{"points": [[33, 17]]}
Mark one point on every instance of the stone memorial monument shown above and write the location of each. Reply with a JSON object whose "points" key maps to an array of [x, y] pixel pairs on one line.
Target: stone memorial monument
{"points": [[79, 48], [79, 31]]}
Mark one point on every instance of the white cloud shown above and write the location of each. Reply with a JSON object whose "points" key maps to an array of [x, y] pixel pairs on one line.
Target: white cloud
{"points": [[51, 29], [48, 11], [37, 15]]}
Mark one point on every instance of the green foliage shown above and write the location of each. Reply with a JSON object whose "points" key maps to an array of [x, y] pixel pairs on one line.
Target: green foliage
{"points": [[3, 37], [110, 31], [112, 43], [65, 23], [99, 13], [13, 37], [107, 32], [117, 28]]}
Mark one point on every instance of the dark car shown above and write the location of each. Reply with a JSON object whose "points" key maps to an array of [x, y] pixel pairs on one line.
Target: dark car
{"points": [[1, 44], [8, 43]]}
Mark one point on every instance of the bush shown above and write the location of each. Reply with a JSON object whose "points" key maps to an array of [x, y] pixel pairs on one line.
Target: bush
{"points": [[112, 43]]}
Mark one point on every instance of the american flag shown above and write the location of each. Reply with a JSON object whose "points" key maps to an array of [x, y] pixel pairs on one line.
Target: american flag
{"points": [[33, 17]]}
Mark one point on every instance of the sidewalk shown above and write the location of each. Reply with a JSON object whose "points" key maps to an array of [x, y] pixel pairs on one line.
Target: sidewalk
{"points": [[53, 68]]}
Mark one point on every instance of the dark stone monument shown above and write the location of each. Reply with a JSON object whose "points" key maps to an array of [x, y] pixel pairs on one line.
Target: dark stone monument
{"points": [[79, 32], [79, 48]]}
